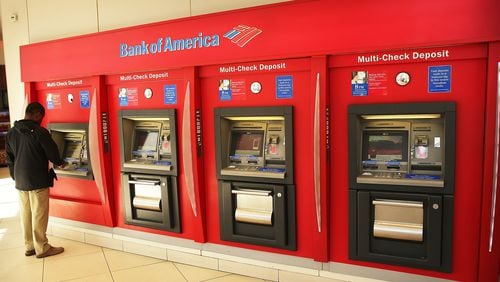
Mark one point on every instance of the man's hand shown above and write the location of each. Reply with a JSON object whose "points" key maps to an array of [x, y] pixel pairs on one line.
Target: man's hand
{"points": [[65, 164]]}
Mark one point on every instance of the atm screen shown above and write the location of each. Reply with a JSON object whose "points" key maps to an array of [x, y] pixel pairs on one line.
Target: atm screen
{"points": [[145, 141], [247, 143], [385, 145]]}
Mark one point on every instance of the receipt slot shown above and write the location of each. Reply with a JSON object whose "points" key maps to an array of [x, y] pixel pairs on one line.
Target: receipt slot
{"points": [[401, 194], [149, 168], [254, 148], [72, 142]]}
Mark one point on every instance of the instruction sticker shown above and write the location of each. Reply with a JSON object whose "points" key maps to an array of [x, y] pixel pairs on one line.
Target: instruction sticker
{"points": [[122, 96], [439, 79], [284, 87], [84, 99], [238, 87], [225, 93], [53, 101], [359, 83], [170, 94]]}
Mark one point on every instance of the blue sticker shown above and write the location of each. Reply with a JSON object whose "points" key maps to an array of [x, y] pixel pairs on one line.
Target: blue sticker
{"points": [[50, 105], [170, 94], [359, 89], [225, 93], [359, 83], [122, 96], [284, 87], [439, 79], [84, 99]]}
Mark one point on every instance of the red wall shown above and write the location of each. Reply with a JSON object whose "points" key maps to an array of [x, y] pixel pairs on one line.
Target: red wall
{"points": [[299, 28], [72, 198], [192, 225]]}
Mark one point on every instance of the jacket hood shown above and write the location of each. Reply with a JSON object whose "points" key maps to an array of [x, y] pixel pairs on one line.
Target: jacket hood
{"points": [[25, 126]]}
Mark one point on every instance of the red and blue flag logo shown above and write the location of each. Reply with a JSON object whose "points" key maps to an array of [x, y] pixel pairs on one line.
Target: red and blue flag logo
{"points": [[242, 34]]}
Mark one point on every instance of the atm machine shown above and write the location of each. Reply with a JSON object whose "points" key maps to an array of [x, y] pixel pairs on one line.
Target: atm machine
{"points": [[254, 152], [401, 183], [72, 142], [149, 168]]}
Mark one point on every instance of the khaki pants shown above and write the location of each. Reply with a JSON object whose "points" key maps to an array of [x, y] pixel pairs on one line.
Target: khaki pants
{"points": [[35, 218]]}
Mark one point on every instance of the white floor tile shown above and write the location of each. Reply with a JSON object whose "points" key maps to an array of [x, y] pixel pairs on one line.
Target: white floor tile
{"points": [[286, 276], [66, 268], [118, 260], [145, 250], [22, 273], [237, 278], [249, 270], [10, 226], [67, 233], [105, 277], [11, 240], [72, 248], [159, 272], [107, 242], [193, 273], [9, 211], [15, 257], [191, 259]]}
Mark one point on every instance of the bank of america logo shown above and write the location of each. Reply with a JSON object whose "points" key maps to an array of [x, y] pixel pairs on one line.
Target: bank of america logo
{"points": [[242, 34]]}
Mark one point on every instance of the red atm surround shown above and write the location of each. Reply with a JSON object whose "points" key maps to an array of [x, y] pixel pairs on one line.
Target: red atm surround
{"points": [[192, 225], [87, 200], [468, 76], [304, 76]]}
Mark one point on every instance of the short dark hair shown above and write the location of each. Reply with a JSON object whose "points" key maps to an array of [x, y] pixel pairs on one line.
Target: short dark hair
{"points": [[34, 108]]}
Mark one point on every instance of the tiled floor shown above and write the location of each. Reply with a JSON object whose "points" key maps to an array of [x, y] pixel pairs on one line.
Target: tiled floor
{"points": [[84, 262]]}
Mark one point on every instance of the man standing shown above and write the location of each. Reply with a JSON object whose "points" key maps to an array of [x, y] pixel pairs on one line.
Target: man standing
{"points": [[29, 149]]}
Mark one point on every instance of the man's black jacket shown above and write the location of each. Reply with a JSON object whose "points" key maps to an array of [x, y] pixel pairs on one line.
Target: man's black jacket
{"points": [[29, 149]]}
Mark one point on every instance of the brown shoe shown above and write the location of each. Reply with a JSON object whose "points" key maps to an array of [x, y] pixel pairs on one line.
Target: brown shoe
{"points": [[29, 253], [52, 251]]}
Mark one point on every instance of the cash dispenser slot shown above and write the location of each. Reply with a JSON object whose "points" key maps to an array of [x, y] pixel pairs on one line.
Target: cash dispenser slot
{"points": [[147, 194], [398, 219], [151, 201], [254, 206]]}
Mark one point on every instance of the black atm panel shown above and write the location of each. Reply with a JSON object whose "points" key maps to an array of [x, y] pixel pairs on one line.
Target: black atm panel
{"points": [[401, 228], [72, 142], [148, 141], [151, 201], [149, 168], [401, 184], [254, 149], [262, 214]]}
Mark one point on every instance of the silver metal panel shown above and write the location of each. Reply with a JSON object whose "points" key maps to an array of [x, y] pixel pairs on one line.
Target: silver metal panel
{"points": [[147, 203], [399, 181], [495, 166], [398, 219], [316, 155], [148, 166], [252, 173], [254, 206]]}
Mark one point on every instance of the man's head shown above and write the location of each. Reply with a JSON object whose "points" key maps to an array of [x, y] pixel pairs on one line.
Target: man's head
{"points": [[35, 112]]}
